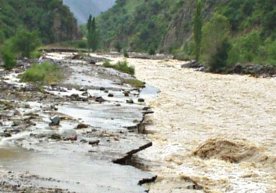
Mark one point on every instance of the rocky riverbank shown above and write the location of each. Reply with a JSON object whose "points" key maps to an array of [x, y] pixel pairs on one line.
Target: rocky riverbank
{"points": [[74, 136]]}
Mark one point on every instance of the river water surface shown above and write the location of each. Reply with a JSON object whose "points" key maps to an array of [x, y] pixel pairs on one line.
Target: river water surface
{"points": [[217, 131]]}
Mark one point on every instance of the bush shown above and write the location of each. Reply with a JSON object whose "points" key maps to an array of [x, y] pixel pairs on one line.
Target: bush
{"points": [[44, 73], [218, 61], [215, 43], [121, 66], [134, 82], [9, 59], [126, 54], [25, 42], [152, 51]]}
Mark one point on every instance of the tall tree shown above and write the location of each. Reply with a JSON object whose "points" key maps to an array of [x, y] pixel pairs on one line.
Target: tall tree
{"points": [[198, 28], [92, 34], [89, 32]]}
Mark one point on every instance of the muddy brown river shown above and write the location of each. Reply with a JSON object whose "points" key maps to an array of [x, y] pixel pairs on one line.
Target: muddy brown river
{"points": [[217, 131]]}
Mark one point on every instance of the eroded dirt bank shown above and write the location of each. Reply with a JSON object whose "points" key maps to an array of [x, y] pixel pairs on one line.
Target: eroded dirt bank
{"points": [[210, 133]]}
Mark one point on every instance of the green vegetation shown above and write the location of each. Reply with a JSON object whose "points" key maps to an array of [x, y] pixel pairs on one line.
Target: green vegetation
{"points": [[23, 44], [134, 82], [51, 19], [215, 38], [243, 31], [198, 29], [92, 34], [44, 73], [139, 25], [121, 66]]}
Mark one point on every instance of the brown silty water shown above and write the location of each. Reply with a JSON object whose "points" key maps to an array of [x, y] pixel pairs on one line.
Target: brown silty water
{"points": [[217, 132]]}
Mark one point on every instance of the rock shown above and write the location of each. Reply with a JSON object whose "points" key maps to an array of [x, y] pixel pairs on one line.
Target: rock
{"points": [[102, 88], [126, 93], [16, 123], [55, 121], [192, 64], [130, 101], [83, 89], [99, 100], [110, 95], [85, 94], [140, 100], [5, 134], [53, 107], [83, 141], [95, 142], [55, 136], [82, 126], [68, 134], [27, 106]]}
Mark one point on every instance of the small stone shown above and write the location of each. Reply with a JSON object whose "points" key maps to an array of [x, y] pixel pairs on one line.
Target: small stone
{"points": [[82, 126], [99, 99], [140, 100], [126, 93], [130, 101], [96, 142], [102, 88], [55, 121], [83, 89], [55, 136], [110, 95], [5, 135]]}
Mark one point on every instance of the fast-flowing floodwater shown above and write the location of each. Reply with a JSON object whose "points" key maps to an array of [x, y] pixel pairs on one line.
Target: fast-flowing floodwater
{"points": [[217, 131]]}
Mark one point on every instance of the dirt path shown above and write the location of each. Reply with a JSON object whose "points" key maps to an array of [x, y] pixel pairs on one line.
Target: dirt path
{"points": [[211, 133]]}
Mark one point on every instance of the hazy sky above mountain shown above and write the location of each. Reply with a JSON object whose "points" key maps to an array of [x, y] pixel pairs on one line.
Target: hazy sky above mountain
{"points": [[83, 8]]}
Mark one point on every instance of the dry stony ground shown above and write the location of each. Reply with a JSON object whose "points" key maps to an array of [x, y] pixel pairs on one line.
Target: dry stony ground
{"points": [[211, 133]]}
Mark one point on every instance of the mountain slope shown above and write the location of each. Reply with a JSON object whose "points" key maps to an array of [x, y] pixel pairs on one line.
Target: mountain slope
{"points": [[167, 25], [83, 8], [50, 18]]}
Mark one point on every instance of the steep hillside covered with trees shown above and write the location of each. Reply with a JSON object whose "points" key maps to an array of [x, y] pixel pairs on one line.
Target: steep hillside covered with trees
{"points": [[167, 26], [50, 18]]}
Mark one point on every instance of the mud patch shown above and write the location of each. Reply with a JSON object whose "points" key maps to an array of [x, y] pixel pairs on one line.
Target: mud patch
{"points": [[233, 151]]}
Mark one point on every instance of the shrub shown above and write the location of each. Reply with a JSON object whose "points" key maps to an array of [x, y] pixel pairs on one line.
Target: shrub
{"points": [[25, 42], [44, 73], [134, 82], [126, 53], [121, 66], [218, 61], [152, 51], [215, 44], [9, 59]]}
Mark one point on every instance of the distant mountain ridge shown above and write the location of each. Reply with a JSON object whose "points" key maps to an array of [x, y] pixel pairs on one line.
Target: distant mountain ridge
{"points": [[83, 8]]}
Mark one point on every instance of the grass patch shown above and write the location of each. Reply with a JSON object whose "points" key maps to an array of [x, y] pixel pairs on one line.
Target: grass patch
{"points": [[44, 73], [121, 66], [134, 82]]}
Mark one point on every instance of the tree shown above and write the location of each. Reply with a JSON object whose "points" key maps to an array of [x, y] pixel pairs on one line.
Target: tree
{"points": [[20, 45], [25, 42], [92, 34], [215, 34], [198, 28]]}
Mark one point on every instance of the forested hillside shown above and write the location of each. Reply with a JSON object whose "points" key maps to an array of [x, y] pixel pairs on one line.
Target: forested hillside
{"points": [[53, 21], [167, 26]]}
